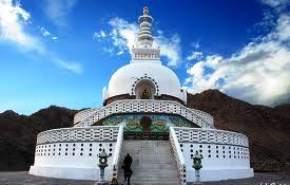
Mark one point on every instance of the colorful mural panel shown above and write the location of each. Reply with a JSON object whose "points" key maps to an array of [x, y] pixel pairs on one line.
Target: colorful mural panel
{"points": [[154, 123]]}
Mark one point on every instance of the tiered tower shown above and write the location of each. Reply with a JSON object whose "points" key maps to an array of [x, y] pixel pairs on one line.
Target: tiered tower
{"points": [[144, 48]]}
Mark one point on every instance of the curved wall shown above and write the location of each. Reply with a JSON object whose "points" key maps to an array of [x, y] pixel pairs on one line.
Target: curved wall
{"points": [[72, 153], [225, 154]]}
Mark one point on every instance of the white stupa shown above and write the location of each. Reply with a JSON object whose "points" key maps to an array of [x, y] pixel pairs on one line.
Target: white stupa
{"points": [[145, 114]]}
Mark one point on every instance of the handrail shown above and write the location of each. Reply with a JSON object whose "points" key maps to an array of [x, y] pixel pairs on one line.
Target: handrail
{"points": [[178, 156], [176, 143], [116, 157]]}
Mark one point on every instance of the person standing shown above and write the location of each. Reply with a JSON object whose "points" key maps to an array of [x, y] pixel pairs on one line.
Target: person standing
{"points": [[128, 173], [128, 160], [127, 168]]}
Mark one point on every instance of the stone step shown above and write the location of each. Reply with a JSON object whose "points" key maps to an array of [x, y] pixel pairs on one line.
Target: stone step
{"points": [[153, 162]]}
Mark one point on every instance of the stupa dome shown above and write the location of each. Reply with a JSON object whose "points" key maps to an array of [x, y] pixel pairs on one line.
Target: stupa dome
{"points": [[152, 75], [145, 77]]}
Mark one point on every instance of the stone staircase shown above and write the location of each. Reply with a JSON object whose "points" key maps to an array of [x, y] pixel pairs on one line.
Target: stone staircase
{"points": [[153, 162]]}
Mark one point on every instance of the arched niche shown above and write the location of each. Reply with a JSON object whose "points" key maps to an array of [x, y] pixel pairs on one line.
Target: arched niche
{"points": [[145, 89]]}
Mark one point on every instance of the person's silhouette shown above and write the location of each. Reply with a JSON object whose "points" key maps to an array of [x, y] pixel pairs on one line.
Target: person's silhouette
{"points": [[128, 160], [127, 168], [128, 173]]}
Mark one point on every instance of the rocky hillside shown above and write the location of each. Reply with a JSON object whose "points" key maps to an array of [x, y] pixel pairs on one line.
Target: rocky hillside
{"points": [[268, 128], [18, 134]]}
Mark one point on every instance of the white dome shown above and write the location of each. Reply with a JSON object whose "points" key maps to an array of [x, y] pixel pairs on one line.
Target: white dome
{"points": [[125, 79]]}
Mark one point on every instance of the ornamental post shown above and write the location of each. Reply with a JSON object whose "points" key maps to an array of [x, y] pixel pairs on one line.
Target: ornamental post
{"points": [[197, 165], [103, 163]]}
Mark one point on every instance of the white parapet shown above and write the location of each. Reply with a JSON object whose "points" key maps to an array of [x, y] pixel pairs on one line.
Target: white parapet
{"points": [[197, 117], [117, 152], [225, 154], [181, 166], [72, 153], [84, 114]]}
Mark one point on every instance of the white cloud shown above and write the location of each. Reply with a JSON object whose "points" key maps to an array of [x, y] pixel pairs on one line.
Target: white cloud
{"points": [[259, 73], [13, 21], [68, 65], [100, 34], [279, 5], [170, 48], [44, 32], [13, 18], [47, 34], [123, 35], [195, 55], [57, 10]]}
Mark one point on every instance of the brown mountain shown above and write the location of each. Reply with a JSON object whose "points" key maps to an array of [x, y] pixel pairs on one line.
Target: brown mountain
{"points": [[18, 134], [268, 128]]}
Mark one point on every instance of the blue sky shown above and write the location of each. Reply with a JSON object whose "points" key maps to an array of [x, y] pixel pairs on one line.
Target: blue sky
{"points": [[63, 52]]}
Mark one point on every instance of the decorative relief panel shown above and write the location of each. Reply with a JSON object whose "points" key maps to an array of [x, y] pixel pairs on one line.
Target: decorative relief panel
{"points": [[158, 122]]}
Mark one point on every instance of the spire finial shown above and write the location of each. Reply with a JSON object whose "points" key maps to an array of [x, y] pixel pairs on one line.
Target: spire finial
{"points": [[145, 10], [143, 48], [145, 22]]}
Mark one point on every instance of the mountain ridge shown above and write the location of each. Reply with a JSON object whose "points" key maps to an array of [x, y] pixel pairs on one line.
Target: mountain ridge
{"points": [[268, 128]]}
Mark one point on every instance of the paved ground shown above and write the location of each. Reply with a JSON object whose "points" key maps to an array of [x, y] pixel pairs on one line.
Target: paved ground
{"points": [[22, 178], [259, 179]]}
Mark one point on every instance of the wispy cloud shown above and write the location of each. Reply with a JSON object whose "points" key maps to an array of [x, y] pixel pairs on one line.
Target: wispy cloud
{"points": [[58, 10], [122, 35], [195, 55], [100, 34], [68, 65], [45, 33], [13, 21], [278, 5], [258, 73]]}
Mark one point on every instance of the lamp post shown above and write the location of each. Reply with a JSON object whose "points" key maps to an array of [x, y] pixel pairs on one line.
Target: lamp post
{"points": [[103, 163], [197, 166]]}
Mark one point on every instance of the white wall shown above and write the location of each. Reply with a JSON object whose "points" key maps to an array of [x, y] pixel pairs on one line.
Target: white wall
{"points": [[63, 160], [72, 153], [225, 154], [219, 162]]}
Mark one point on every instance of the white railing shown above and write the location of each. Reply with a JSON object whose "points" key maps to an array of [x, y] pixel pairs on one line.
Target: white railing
{"points": [[82, 115], [199, 118], [206, 116], [84, 134], [178, 156], [116, 157], [212, 136]]}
